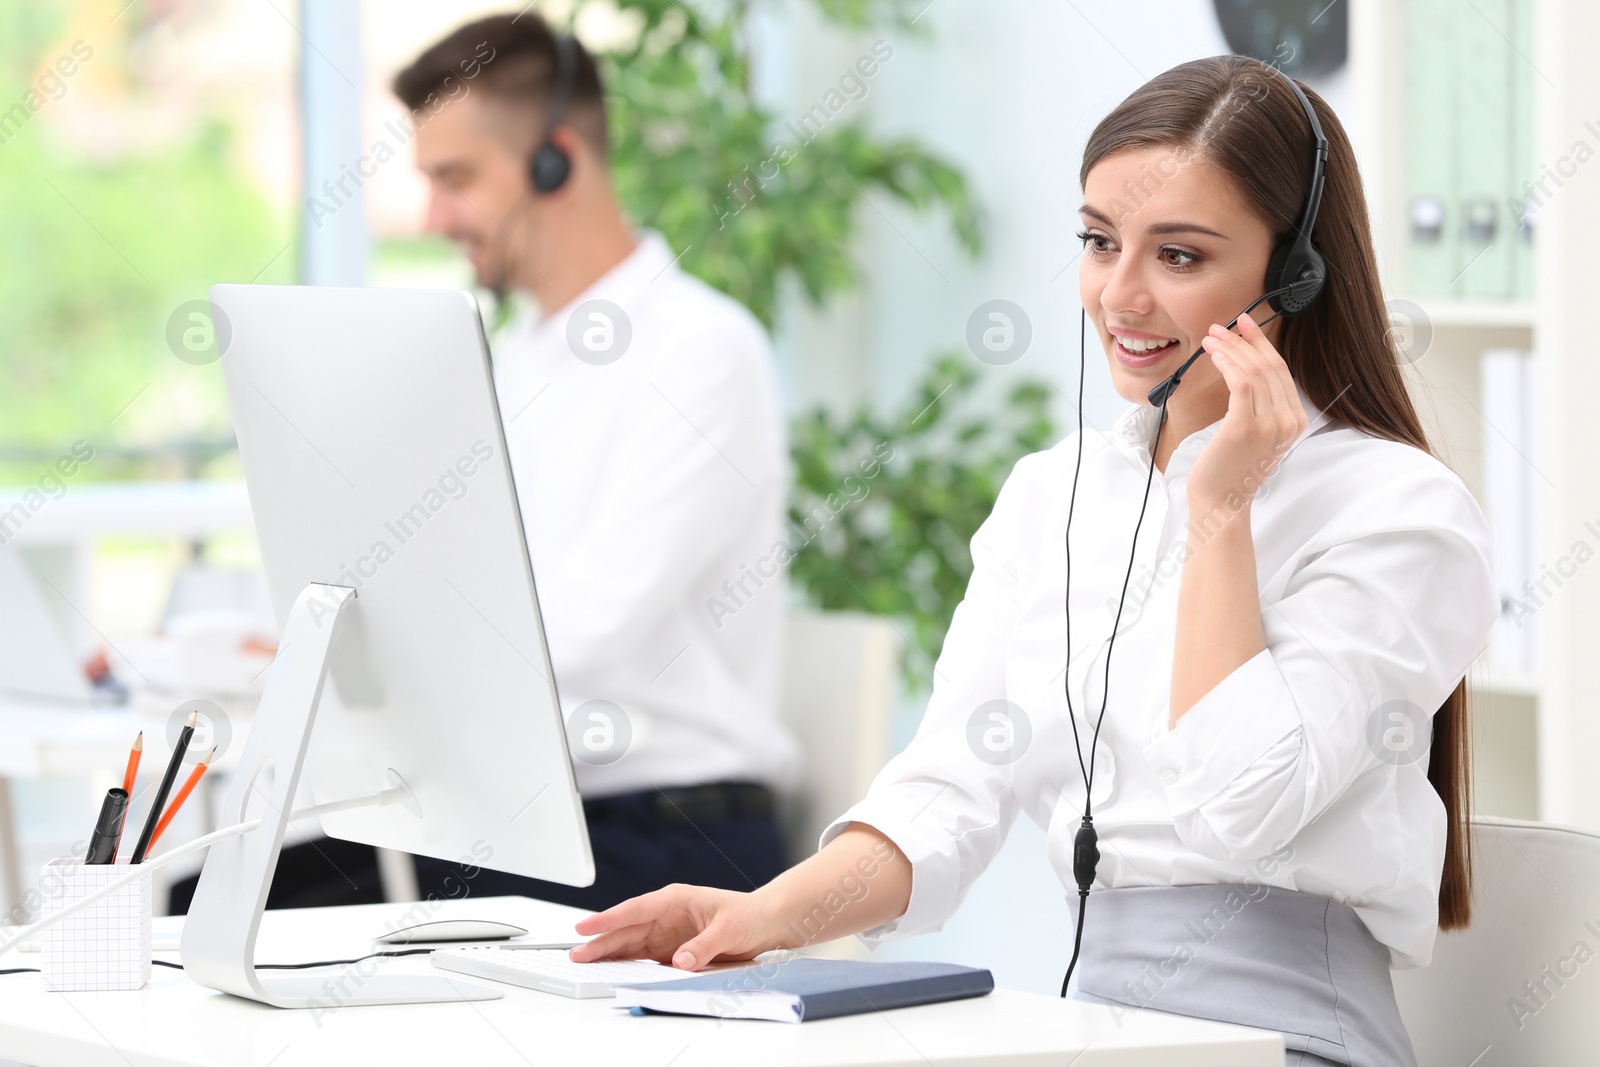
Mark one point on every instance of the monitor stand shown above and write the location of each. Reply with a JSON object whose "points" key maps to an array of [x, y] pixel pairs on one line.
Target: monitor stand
{"points": [[219, 935]]}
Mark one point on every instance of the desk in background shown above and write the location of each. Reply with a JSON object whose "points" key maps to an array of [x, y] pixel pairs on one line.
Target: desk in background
{"points": [[60, 536]]}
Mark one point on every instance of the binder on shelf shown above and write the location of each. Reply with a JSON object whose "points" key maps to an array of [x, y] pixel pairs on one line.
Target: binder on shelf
{"points": [[1522, 151], [1481, 79], [1431, 219], [1469, 149]]}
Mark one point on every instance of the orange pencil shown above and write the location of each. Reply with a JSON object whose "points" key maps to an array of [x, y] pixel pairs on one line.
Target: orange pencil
{"points": [[177, 801], [133, 764]]}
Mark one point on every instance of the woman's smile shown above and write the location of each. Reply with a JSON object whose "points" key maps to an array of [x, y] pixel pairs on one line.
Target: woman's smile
{"points": [[1137, 349]]}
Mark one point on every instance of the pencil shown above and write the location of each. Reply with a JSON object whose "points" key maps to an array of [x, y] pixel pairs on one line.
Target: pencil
{"points": [[133, 764], [143, 847], [183, 794]]}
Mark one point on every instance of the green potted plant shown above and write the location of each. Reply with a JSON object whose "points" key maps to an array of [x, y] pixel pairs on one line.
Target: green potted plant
{"points": [[750, 197]]}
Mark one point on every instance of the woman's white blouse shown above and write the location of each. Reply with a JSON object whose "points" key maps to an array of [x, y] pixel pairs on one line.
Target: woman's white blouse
{"points": [[1306, 767]]}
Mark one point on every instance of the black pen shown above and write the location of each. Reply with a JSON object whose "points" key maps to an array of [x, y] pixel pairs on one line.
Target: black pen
{"points": [[166, 787], [108, 831]]}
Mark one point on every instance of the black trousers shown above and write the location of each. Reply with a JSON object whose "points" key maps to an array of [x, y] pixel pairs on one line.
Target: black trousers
{"points": [[310, 874], [721, 835]]}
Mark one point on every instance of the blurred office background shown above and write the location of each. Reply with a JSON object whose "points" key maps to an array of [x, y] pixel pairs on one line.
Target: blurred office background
{"points": [[160, 146]]}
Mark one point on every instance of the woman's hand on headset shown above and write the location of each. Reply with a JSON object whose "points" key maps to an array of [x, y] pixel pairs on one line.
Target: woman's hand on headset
{"points": [[1263, 419]]}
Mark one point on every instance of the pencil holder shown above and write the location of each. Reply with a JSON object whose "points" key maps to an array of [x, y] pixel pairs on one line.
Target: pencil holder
{"points": [[105, 945]]}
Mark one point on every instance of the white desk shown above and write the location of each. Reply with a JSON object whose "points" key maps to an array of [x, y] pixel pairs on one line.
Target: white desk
{"points": [[173, 1021], [173, 509], [60, 536]]}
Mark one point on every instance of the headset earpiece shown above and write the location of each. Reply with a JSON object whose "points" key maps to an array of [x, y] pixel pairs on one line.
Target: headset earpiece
{"points": [[549, 166], [1296, 265], [549, 169]]}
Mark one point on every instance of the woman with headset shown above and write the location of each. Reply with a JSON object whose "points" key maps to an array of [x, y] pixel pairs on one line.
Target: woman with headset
{"points": [[1262, 797]]}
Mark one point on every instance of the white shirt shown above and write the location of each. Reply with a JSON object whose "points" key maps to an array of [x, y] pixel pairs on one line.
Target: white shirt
{"points": [[646, 483], [1373, 567]]}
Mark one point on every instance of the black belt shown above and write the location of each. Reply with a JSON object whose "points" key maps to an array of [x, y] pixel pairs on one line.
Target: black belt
{"points": [[682, 805]]}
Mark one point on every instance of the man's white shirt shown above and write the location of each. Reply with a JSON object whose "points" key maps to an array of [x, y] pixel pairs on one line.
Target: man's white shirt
{"points": [[1306, 767], [647, 440]]}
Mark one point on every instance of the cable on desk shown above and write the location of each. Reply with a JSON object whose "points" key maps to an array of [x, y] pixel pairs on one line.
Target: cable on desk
{"points": [[264, 966], [337, 963]]}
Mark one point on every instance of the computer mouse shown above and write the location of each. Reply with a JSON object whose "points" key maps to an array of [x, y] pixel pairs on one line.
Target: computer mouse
{"points": [[451, 930]]}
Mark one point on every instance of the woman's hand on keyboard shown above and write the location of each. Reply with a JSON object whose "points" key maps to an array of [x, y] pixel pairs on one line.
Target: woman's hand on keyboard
{"points": [[687, 926], [859, 881]]}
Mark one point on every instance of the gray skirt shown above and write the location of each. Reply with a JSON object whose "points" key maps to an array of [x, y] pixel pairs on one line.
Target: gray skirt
{"points": [[1254, 955]]}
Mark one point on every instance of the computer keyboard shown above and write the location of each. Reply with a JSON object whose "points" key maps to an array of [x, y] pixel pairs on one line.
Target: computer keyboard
{"points": [[551, 970]]}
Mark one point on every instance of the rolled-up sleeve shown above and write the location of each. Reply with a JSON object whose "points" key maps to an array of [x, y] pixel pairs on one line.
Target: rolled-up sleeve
{"points": [[945, 809], [1376, 626]]}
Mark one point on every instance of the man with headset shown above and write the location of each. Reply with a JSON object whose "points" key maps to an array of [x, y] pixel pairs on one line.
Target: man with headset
{"points": [[642, 417]]}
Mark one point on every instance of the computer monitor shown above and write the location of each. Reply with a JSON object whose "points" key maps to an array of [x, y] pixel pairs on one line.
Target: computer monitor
{"points": [[393, 547]]}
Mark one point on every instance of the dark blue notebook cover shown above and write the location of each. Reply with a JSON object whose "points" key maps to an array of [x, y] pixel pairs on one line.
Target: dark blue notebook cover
{"points": [[830, 988]]}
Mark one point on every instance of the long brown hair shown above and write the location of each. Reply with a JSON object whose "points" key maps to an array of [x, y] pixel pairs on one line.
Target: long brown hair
{"points": [[1242, 118]]}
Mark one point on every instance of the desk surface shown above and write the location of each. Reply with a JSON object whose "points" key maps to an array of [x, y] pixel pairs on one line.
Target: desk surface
{"points": [[173, 1021]]}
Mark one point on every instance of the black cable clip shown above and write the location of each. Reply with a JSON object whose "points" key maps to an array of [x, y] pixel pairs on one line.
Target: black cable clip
{"points": [[1085, 854]]}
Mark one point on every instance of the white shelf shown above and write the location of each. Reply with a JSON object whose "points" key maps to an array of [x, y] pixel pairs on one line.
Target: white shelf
{"points": [[1528, 730]]}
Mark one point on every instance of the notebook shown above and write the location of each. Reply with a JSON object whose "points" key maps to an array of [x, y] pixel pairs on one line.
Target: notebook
{"points": [[798, 990]]}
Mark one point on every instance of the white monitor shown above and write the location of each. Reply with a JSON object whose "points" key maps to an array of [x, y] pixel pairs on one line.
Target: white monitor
{"points": [[35, 654], [393, 547]]}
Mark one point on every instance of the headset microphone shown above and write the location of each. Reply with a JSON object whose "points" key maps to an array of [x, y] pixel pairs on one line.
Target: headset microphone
{"points": [[1158, 395], [1296, 273]]}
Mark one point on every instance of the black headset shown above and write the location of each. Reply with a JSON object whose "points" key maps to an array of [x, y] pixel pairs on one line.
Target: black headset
{"points": [[550, 165], [1297, 270], [1296, 274]]}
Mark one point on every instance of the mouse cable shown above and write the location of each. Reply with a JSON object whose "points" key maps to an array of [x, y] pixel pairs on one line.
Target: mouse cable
{"points": [[263, 966]]}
